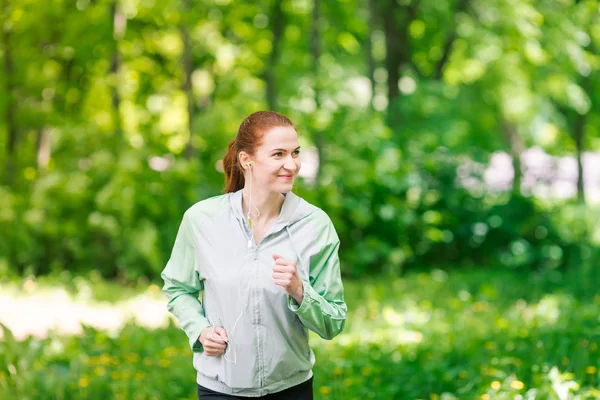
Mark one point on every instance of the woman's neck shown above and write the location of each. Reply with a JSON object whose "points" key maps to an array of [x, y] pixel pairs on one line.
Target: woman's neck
{"points": [[268, 204]]}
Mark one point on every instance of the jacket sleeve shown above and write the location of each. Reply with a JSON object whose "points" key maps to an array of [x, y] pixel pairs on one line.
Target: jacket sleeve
{"points": [[323, 309], [183, 284]]}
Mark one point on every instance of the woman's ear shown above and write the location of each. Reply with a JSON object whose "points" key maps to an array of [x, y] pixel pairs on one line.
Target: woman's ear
{"points": [[245, 160]]}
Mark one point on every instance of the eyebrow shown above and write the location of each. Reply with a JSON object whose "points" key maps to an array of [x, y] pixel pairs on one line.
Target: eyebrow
{"points": [[284, 150]]}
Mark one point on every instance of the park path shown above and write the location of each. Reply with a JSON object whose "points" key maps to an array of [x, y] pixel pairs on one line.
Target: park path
{"points": [[37, 311]]}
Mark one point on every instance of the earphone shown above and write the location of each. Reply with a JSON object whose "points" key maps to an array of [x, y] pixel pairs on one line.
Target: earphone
{"points": [[251, 203]]}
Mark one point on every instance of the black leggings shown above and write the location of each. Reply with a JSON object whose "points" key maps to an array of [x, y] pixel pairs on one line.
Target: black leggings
{"points": [[303, 391]]}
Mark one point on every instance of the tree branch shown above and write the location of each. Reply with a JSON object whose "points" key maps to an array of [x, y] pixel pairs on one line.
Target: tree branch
{"points": [[439, 68]]}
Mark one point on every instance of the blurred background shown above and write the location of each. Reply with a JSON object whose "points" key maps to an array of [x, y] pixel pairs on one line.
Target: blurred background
{"points": [[455, 145]]}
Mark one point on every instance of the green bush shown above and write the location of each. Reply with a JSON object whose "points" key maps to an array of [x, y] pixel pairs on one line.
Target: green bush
{"points": [[395, 205]]}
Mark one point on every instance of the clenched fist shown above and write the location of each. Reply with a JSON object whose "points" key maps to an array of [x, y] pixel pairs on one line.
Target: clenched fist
{"points": [[214, 340], [286, 276]]}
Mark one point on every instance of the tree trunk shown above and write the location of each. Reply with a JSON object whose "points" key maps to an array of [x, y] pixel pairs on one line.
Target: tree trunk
{"points": [[186, 61], [11, 106], [516, 148], [393, 49], [578, 135], [397, 47], [119, 26], [278, 24]]}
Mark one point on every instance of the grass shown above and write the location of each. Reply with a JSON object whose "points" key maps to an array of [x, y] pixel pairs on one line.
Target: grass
{"points": [[471, 334]]}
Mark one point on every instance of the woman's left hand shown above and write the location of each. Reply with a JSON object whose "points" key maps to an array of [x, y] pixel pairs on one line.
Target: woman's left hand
{"points": [[286, 276]]}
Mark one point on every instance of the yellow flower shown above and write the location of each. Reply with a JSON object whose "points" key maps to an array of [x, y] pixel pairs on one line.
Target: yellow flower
{"points": [[104, 359], [325, 389], [495, 385], [132, 358], [485, 396], [517, 385], [84, 381], [99, 371], [463, 374], [169, 351], [434, 396], [591, 369], [365, 371], [338, 371], [139, 376]]}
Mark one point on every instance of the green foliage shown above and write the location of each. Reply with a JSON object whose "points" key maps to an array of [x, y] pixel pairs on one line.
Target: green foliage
{"points": [[474, 334], [394, 209], [105, 145], [397, 207]]}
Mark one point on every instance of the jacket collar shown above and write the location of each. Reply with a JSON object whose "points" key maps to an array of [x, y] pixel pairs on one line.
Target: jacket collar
{"points": [[289, 210]]}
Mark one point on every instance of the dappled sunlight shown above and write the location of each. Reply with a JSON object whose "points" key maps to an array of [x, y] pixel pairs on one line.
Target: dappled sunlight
{"points": [[37, 311], [556, 384], [546, 312], [390, 336]]}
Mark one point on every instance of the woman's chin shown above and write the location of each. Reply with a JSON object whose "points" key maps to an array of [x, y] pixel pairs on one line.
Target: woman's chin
{"points": [[283, 187]]}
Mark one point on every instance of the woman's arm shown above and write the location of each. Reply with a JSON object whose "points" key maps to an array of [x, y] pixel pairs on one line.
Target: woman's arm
{"points": [[183, 284], [323, 309]]}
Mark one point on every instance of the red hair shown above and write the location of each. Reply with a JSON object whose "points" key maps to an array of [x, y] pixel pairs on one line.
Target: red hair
{"points": [[248, 138]]}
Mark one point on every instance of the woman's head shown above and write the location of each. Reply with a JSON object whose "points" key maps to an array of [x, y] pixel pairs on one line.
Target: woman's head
{"points": [[266, 146]]}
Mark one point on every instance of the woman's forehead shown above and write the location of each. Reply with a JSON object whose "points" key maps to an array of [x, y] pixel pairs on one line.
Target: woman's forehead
{"points": [[280, 137]]}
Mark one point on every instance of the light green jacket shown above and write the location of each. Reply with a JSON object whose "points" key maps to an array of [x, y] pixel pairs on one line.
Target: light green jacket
{"points": [[214, 253]]}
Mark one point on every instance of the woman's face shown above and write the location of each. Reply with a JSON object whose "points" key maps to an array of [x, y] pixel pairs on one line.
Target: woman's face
{"points": [[276, 163]]}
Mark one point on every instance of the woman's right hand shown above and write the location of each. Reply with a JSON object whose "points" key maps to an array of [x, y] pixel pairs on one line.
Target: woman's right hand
{"points": [[214, 340]]}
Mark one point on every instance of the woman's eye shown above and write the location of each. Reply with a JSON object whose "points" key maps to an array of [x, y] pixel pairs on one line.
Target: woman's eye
{"points": [[279, 154], [296, 153]]}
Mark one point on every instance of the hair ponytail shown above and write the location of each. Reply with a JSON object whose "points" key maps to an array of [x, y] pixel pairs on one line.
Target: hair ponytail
{"points": [[234, 178], [248, 139]]}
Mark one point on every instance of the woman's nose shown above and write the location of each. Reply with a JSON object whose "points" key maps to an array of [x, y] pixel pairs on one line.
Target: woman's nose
{"points": [[290, 164]]}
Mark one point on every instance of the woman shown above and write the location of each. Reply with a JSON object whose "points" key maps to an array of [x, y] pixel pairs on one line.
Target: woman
{"points": [[267, 264]]}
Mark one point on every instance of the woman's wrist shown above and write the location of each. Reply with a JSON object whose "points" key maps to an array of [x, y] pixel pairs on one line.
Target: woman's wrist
{"points": [[299, 295]]}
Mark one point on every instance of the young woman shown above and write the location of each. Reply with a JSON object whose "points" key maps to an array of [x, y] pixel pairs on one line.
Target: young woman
{"points": [[266, 262]]}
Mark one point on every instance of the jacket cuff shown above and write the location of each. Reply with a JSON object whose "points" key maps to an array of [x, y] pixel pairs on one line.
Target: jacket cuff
{"points": [[309, 296]]}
